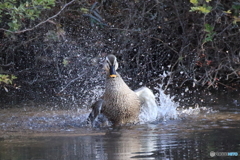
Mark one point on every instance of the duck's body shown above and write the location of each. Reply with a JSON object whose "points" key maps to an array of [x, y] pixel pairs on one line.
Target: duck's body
{"points": [[121, 105]]}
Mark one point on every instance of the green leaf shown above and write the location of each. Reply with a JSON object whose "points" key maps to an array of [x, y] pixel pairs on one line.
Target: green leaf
{"points": [[204, 9], [194, 2], [14, 25], [236, 5], [208, 28], [7, 79], [180, 58], [209, 37], [13, 77], [84, 10], [65, 62], [236, 19]]}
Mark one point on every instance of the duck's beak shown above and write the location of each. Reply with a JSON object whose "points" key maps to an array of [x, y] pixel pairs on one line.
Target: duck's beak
{"points": [[113, 73]]}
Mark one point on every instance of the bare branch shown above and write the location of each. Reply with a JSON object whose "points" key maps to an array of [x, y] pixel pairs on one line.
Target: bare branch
{"points": [[73, 80]]}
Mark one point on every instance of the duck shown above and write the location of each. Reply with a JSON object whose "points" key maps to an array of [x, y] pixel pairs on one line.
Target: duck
{"points": [[120, 104]]}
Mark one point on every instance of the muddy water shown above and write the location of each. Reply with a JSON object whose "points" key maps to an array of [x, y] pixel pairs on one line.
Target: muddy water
{"points": [[34, 133]]}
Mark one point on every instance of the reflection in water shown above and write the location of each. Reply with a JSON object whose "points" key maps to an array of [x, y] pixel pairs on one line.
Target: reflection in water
{"points": [[189, 138]]}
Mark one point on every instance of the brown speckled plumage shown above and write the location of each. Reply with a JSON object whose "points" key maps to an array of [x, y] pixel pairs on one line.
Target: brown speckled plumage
{"points": [[121, 105]]}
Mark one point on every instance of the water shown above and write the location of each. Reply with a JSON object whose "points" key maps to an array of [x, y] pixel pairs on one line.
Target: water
{"points": [[45, 133]]}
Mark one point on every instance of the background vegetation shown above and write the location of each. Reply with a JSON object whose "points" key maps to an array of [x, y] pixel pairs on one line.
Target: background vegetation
{"points": [[53, 49]]}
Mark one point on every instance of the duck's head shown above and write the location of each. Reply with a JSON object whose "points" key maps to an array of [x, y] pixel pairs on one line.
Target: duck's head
{"points": [[111, 65]]}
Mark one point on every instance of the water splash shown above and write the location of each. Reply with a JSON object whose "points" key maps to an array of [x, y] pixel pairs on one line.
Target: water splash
{"points": [[152, 110], [165, 108]]}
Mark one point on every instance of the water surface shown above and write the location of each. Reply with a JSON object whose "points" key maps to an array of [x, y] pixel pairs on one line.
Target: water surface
{"points": [[30, 133]]}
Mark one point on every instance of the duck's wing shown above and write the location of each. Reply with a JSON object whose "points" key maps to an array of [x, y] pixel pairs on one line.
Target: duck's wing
{"points": [[149, 107], [145, 94], [96, 110]]}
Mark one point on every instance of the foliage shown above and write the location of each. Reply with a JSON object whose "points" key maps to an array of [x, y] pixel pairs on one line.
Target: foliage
{"points": [[210, 33], [18, 12], [236, 8], [205, 9], [6, 80], [236, 12]]}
